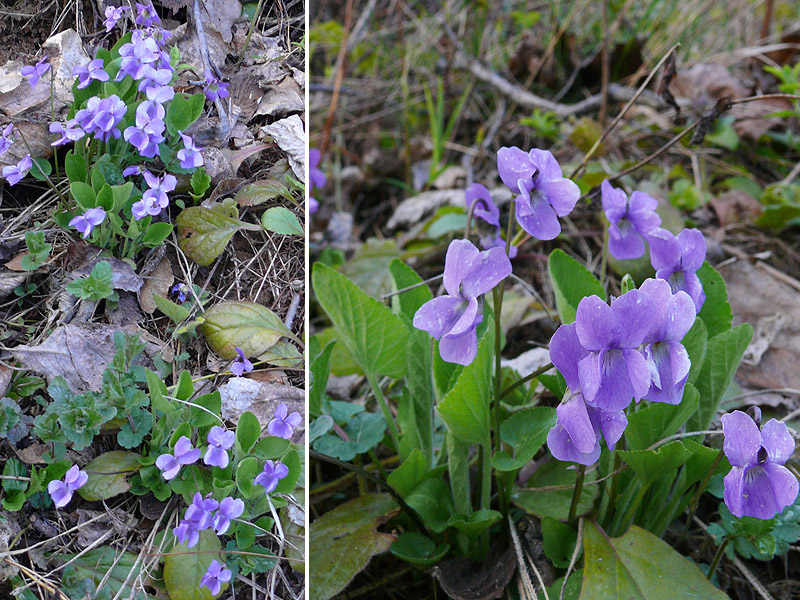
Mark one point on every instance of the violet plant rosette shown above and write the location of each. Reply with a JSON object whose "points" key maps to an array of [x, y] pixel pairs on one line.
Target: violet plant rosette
{"points": [[630, 220], [453, 318], [758, 485], [677, 259], [543, 194]]}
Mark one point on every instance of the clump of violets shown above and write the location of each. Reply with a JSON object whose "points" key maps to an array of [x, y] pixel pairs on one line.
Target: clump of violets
{"points": [[34, 72], [758, 485], [15, 173], [271, 475], [198, 517], [316, 178], [543, 194], [101, 117], [241, 363], [229, 509], [630, 220], [215, 576], [61, 491], [214, 88], [182, 454], [219, 442], [86, 222], [453, 318], [677, 259], [283, 423], [155, 199]]}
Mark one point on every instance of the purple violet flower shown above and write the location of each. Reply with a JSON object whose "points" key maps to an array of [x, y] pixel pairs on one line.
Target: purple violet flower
{"points": [[313, 205], [614, 371], [630, 220], [113, 15], [15, 173], [146, 138], [543, 194], [86, 222], [135, 55], [156, 78], [70, 133], [6, 140], [154, 199], [178, 290], [576, 434], [133, 170], [758, 485], [85, 73], [61, 491], [189, 156], [282, 425], [219, 441], [215, 576], [666, 357], [273, 472], [146, 15], [677, 260], [485, 208], [33, 73], [101, 117], [316, 178], [214, 88], [453, 318], [198, 517], [229, 509], [240, 363], [183, 454]]}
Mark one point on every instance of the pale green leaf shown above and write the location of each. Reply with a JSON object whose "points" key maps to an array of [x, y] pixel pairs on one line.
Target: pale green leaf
{"points": [[204, 232], [108, 475], [239, 324], [280, 219], [571, 282]]}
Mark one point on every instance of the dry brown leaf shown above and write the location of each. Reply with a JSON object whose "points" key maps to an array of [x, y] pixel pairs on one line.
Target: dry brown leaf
{"points": [[158, 282], [220, 16], [80, 352], [282, 99], [736, 206], [289, 134], [9, 281]]}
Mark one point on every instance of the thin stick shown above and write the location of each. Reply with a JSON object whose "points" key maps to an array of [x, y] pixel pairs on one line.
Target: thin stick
{"points": [[525, 379], [341, 61], [573, 509]]}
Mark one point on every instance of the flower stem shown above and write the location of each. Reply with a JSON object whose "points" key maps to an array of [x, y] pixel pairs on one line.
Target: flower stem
{"points": [[717, 557], [699, 492], [576, 494], [604, 261], [387, 414], [526, 379]]}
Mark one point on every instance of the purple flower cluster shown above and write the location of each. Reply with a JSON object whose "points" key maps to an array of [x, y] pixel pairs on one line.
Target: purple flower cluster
{"points": [[283, 423], [316, 178], [61, 491], [207, 513], [15, 173], [86, 222], [182, 454], [148, 131], [146, 15], [215, 576], [613, 354], [758, 485], [35, 72], [154, 199], [273, 472], [70, 133], [101, 117], [543, 194], [86, 73], [453, 318]]}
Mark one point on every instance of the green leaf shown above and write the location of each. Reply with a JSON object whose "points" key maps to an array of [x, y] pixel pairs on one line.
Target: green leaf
{"points": [[134, 430], [344, 540], [409, 474], [716, 312], [212, 403], [465, 408], [84, 194], [365, 431], [525, 431], [695, 342], [179, 116], [108, 475], [555, 504], [115, 570], [38, 251], [97, 286], [176, 312], [200, 182], [280, 219], [658, 420], [571, 282], [196, 103], [320, 371], [411, 300], [185, 386], [652, 465], [233, 324], [723, 354], [374, 335], [14, 468], [155, 234], [121, 194], [105, 198], [259, 192], [558, 541], [639, 566], [415, 413], [158, 391], [204, 232], [432, 502], [246, 471], [40, 169], [75, 167], [248, 430], [476, 523], [418, 549], [184, 568], [271, 447]]}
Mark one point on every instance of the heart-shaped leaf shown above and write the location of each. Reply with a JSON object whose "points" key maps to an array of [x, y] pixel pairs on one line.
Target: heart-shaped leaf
{"points": [[246, 325], [204, 232]]}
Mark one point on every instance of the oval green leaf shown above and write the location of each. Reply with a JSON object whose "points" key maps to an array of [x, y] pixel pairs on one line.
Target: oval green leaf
{"points": [[108, 475], [245, 325], [280, 219]]}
